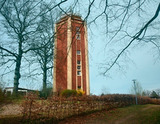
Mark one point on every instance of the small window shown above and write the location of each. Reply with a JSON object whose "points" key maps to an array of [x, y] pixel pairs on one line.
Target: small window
{"points": [[78, 62], [78, 33], [79, 87], [78, 52], [77, 29], [78, 36], [78, 67], [78, 73]]}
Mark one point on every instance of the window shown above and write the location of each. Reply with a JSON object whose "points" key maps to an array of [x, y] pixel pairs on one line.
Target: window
{"points": [[78, 67], [77, 30], [78, 36], [78, 52], [78, 73], [79, 87], [78, 62]]}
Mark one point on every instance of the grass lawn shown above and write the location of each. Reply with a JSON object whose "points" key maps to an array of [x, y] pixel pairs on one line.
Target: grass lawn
{"points": [[136, 114]]}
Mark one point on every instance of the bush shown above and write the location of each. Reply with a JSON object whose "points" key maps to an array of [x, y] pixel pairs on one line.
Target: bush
{"points": [[57, 108], [80, 92], [46, 93], [68, 93], [73, 93]]}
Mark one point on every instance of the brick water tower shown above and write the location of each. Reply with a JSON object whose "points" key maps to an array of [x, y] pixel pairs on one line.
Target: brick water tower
{"points": [[71, 66]]}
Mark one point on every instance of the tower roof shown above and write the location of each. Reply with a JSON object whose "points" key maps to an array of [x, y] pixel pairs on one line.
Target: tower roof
{"points": [[73, 16]]}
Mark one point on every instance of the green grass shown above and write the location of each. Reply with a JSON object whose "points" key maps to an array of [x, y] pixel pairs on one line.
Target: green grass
{"points": [[140, 114], [149, 115]]}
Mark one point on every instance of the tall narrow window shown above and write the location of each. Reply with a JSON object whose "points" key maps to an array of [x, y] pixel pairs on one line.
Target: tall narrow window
{"points": [[79, 73], [78, 52], [78, 67], [77, 30], [78, 62], [78, 36], [78, 33]]}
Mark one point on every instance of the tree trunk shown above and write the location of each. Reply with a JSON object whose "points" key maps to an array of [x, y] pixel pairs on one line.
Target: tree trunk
{"points": [[17, 74], [45, 73], [44, 91], [44, 79]]}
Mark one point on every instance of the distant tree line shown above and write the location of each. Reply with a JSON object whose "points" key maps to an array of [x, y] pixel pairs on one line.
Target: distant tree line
{"points": [[138, 90], [152, 94]]}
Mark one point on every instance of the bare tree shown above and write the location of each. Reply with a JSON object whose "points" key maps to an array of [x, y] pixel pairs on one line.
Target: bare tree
{"points": [[16, 17], [45, 38], [146, 93], [136, 88], [104, 91], [158, 92], [20, 22]]}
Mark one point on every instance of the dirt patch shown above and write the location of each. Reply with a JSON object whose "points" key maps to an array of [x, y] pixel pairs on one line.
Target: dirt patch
{"points": [[10, 109]]}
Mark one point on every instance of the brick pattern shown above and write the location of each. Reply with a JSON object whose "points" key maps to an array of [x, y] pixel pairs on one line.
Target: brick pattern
{"points": [[77, 44]]}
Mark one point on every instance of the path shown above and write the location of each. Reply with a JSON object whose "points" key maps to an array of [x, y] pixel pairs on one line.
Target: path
{"points": [[10, 109]]}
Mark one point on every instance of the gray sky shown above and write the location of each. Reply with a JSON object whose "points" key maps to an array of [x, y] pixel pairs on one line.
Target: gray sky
{"points": [[143, 69], [139, 62]]}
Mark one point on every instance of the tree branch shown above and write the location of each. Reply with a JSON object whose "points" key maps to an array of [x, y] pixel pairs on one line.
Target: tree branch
{"points": [[89, 10], [3, 4], [136, 36], [14, 54]]}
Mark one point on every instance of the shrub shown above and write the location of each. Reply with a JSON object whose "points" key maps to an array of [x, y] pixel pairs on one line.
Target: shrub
{"points": [[46, 93], [57, 108], [80, 92], [68, 93]]}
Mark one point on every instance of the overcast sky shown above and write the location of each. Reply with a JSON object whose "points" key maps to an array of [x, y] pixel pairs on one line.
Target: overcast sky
{"points": [[142, 68], [139, 62]]}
